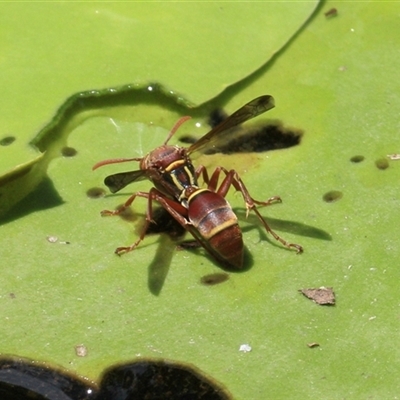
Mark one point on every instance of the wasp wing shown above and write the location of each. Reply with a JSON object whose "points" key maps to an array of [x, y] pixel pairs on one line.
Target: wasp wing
{"points": [[250, 110], [118, 181]]}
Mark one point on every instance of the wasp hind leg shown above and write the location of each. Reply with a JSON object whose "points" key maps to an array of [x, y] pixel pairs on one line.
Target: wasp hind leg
{"points": [[232, 178], [297, 247]]}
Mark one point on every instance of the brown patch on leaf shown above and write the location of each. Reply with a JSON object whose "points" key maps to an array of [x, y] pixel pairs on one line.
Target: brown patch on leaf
{"points": [[321, 296], [333, 12]]}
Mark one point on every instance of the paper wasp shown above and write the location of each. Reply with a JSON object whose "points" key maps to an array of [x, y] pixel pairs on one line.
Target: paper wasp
{"points": [[204, 212]]}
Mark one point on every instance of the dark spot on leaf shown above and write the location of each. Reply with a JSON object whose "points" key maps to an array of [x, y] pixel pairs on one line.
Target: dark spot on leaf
{"points": [[332, 196], [6, 141], [159, 380], [24, 379], [382, 163], [68, 151], [144, 379], [95, 193], [214, 279], [357, 159]]}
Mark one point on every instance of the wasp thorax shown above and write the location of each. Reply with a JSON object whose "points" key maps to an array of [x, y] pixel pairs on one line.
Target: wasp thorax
{"points": [[163, 157]]}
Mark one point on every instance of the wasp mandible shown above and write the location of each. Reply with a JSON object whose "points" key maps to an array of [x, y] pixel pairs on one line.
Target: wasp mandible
{"points": [[204, 212]]}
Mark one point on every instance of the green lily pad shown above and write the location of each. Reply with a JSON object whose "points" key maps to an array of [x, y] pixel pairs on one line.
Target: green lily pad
{"points": [[336, 83], [110, 45], [90, 60]]}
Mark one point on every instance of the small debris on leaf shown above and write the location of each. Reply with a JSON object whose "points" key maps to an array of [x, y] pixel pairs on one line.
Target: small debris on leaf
{"points": [[54, 239], [245, 348], [313, 344], [395, 156], [322, 296], [81, 350]]}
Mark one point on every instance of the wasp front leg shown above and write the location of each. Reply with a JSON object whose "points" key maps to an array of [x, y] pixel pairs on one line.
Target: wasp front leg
{"points": [[120, 210], [172, 207], [120, 250]]}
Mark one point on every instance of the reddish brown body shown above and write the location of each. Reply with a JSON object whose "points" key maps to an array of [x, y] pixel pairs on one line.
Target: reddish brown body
{"points": [[205, 213], [217, 224]]}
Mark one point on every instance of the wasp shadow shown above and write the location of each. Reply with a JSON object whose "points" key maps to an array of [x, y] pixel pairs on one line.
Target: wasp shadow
{"points": [[159, 267], [172, 233], [257, 138], [292, 227], [171, 240], [195, 247]]}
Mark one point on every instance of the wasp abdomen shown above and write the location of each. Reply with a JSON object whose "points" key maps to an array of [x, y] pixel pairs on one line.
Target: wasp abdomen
{"points": [[213, 218]]}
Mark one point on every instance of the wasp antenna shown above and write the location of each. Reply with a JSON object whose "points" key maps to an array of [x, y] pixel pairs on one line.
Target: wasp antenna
{"points": [[114, 161], [176, 127]]}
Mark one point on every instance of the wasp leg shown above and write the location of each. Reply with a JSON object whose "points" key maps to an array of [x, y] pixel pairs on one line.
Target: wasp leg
{"points": [[212, 184], [121, 209], [232, 178], [121, 250], [172, 207]]}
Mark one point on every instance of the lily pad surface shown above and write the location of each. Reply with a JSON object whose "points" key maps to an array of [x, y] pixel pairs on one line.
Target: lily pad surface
{"points": [[62, 286], [54, 50]]}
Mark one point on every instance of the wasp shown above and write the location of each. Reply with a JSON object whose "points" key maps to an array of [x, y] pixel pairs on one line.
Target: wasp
{"points": [[203, 211]]}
